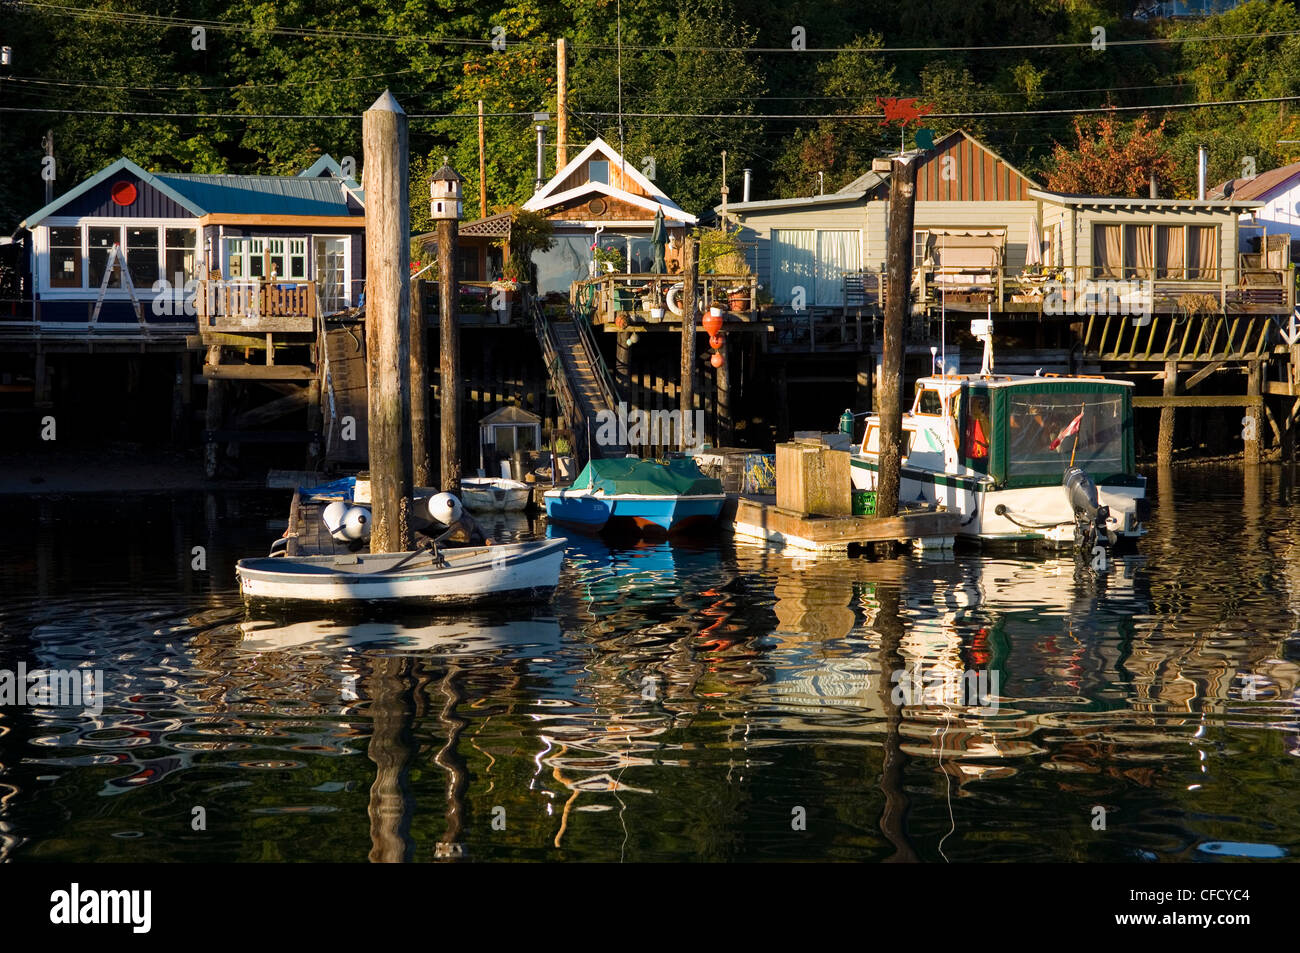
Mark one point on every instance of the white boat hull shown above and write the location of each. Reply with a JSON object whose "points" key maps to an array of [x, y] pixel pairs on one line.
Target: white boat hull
{"points": [[482, 575], [494, 496], [1040, 514]]}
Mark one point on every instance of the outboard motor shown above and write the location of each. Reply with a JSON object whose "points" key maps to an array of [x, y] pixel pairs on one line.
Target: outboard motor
{"points": [[1090, 515]]}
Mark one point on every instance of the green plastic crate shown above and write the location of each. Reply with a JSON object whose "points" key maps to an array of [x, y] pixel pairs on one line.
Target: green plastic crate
{"points": [[864, 502]]}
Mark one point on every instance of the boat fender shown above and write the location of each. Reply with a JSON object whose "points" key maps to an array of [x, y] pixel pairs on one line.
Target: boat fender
{"points": [[355, 526], [332, 516], [673, 300]]}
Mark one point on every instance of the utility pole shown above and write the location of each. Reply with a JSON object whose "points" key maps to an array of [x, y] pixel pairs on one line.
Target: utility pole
{"points": [[48, 143], [724, 190], [388, 322], [902, 208], [482, 164], [561, 105]]}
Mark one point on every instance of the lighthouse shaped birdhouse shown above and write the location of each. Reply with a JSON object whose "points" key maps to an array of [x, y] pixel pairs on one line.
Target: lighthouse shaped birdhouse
{"points": [[445, 193]]}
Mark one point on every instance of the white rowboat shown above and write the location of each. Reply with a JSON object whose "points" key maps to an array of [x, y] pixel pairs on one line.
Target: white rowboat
{"points": [[493, 494], [481, 575]]}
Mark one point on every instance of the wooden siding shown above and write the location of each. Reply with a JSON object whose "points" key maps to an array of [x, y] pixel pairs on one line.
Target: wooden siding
{"points": [[98, 202], [1079, 252], [974, 175], [757, 230], [579, 176], [615, 211]]}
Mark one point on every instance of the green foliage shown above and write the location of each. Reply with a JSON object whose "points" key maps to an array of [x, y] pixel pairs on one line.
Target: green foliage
{"points": [[720, 252]]}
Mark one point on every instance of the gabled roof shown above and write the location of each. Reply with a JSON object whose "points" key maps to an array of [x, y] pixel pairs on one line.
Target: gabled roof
{"points": [[494, 226], [549, 195], [121, 165], [326, 165], [202, 194], [1259, 185], [510, 414]]}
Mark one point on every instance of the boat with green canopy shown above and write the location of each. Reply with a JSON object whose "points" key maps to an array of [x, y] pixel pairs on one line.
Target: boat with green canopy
{"points": [[655, 496]]}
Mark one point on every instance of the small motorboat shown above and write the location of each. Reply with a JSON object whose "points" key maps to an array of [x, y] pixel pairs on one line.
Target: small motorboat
{"points": [[494, 494], [654, 497], [480, 575]]}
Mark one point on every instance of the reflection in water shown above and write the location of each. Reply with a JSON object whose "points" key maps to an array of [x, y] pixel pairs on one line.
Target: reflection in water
{"points": [[710, 700]]}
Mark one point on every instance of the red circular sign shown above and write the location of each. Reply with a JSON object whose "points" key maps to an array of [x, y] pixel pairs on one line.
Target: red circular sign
{"points": [[123, 193]]}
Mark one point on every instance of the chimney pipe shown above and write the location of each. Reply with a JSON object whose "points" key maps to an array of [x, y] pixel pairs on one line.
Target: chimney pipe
{"points": [[1202, 165], [541, 163], [749, 177], [1155, 191]]}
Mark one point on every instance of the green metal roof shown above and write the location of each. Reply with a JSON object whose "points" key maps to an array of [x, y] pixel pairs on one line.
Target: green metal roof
{"points": [[260, 194]]}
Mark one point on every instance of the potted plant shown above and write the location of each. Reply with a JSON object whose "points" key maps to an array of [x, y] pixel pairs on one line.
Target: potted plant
{"points": [[608, 259], [562, 469]]}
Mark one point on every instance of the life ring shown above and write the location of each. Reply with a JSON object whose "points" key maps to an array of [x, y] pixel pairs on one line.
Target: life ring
{"points": [[673, 296]]}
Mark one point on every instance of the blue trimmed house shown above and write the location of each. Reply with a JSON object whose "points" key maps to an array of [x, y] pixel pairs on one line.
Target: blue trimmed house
{"points": [[218, 248]]}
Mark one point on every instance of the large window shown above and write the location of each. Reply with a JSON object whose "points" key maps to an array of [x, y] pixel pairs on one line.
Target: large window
{"points": [[814, 260], [1174, 252], [269, 258], [1043, 436], [79, 255], [65, 257]]}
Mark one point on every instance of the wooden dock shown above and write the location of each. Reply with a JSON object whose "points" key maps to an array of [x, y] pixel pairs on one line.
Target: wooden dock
{"points": [[759, 518]]}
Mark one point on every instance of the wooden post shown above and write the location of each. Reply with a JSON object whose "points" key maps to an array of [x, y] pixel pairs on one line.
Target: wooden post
{"points": [[213, 415], [862, 396], [689, 272], [622, 359], [902, 206], [388, 322], [561, 106], [482, 165], [1252, 438], [782, 403], [724, 394], [421, 472], [449, 355], [1165, 439]]}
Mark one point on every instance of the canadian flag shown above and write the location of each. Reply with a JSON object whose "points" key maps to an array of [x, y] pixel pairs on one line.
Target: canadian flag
{"points": [[1071, 428]]}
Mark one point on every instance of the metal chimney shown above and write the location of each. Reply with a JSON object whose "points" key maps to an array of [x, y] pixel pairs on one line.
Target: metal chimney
{"points": [[749, 177], [541, 162], [1155, 191], [1202, 167]]}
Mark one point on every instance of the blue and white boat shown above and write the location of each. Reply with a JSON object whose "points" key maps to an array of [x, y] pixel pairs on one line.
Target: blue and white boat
{"points": [[653, 497]]}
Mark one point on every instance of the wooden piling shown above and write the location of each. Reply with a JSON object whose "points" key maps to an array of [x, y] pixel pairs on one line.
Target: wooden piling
{"points": [[1165, 439], [421, 471], [690, 271], [449, 356], [1253, 421], [902, 207], [724, 395], [388, 322], [213, 415]]}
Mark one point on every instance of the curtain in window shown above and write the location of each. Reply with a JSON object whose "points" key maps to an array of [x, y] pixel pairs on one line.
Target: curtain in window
{"points": [[794, 260], [1106, 253], [1138, 252], [1169, 251], [1202, 252], [837, 252]]}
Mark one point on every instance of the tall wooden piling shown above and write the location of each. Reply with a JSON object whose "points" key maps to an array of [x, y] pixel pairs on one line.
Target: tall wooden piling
{"points": [[1165, 438], [724, 395], [690, 271], [421, 470], [1254, 418], [449, 355], [213, 415], [388, 322], [902, 206]]}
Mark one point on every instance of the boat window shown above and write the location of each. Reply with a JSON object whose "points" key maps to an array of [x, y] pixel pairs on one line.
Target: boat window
{"points": [[1046, 429], [871, 443], [929, 403], [978, 431]]}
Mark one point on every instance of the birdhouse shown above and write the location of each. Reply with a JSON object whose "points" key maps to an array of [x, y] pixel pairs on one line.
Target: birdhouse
{"points": [[445, 193]]}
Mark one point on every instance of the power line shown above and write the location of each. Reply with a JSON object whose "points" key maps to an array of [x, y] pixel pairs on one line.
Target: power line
{"points": [[246, 116], [956, 115], [183, 89]]}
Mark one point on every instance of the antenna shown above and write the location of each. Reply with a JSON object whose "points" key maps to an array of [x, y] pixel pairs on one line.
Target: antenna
{"points": [[622, 149], [943, 315]]}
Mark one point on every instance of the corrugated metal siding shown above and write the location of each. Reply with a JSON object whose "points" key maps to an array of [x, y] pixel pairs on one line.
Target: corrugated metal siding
{"points": [[98, 202], [973, 175]]}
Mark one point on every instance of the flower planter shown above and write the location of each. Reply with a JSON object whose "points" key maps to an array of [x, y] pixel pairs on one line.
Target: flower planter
{"points": [[656, 314], [738, 301]]}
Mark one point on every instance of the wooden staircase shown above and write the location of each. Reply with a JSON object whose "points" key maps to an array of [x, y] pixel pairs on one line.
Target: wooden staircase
{"points": [[581, 380]]}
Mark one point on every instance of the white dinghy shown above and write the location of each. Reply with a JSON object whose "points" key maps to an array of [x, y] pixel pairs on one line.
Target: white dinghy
{"points": [[481, 575]]}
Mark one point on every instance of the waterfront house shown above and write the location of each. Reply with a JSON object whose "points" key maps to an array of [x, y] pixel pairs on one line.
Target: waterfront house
{"points": [[1279, 190], [216, 247]]}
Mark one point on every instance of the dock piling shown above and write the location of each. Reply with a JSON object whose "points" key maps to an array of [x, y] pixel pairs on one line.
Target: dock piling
{"points": [[902, 208]]}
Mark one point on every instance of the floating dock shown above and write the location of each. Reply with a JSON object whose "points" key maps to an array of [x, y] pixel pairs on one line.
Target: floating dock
{"points": [[759, 518]]}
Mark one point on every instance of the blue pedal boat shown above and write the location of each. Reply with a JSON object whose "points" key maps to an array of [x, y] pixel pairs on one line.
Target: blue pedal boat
{"points": [[653, 497]]}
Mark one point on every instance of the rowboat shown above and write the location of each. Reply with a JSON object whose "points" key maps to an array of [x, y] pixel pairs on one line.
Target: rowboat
{"points": [[654, 497], [494, 494], [481, 575]]}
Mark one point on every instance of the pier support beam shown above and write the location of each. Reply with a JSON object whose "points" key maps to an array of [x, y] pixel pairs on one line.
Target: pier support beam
{"points": [[724, 394], [421, 471], [902, 208], [1165, 439], [862, 396], [690, 269], [622, 363], [214, 414], [1253, 421], [388, 322]]}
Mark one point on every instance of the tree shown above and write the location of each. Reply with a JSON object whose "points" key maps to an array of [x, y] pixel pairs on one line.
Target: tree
{"points": [[1111, 158]]}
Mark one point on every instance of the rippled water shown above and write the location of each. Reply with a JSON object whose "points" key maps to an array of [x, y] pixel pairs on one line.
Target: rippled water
{"points": [[674, 702]]}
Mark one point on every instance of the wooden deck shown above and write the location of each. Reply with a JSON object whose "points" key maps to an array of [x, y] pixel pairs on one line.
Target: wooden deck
{"points": [[759, 518]]}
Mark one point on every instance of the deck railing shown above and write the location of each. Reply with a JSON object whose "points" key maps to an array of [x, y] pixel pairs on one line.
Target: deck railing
{"points": [[633, 296], [253, 304]]}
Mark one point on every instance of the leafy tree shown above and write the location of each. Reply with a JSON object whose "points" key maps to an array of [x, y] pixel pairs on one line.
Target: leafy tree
{"points": [[1111, 158]]}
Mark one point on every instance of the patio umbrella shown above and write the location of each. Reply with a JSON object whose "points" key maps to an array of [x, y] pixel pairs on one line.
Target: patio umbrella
{"points": [[659, 238], [1034, 253]]}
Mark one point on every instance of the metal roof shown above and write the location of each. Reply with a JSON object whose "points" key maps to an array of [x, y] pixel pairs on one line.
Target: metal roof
{"points": [[260, 194], [1065, 198]]}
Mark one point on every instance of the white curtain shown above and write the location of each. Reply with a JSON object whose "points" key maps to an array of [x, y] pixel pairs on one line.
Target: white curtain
{"points": [[794, 261], [837, 252]]}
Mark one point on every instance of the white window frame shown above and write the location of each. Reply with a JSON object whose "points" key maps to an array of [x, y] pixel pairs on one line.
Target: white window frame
{"points": [[41, 260]]}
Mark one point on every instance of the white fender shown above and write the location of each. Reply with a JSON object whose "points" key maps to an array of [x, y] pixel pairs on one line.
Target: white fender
{"points": [[671, 299]]}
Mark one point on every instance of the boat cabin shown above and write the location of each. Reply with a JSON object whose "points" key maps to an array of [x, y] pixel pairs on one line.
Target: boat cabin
{"points": [[1017, 431]]}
